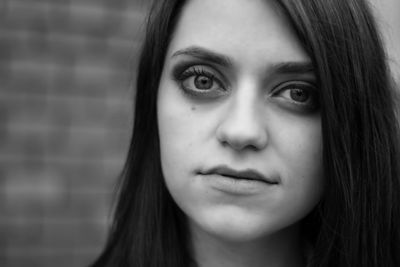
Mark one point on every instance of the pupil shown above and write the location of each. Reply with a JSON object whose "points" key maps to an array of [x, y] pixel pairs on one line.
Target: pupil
{"points": [[203, 82], [299, 95]]}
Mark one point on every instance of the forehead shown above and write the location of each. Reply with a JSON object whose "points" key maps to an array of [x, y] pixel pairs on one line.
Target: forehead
{"points": [[248, 31]]}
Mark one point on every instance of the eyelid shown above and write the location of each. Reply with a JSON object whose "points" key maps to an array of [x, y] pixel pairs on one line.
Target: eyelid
{"points": [[183, 73], [182, 66], [308, 107], [301, 84], [199, 70]]}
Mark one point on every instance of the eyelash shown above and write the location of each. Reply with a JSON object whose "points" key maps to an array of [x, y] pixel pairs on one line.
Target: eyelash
{"points": [[305, 87], [195, 71], [182, 72]]}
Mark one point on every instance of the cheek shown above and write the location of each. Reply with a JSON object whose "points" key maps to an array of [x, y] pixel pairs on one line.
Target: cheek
{"points": [[297, 142], [178, 136], [302, 156], [171, 136], [176, 132]]}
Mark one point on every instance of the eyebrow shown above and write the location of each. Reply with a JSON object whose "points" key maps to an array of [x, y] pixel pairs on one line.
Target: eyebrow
{"points": [[206, 55], [290, 67], [293, 68]]}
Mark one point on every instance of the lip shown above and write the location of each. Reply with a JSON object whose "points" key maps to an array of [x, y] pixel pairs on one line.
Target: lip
{"points": [[245, 174]]}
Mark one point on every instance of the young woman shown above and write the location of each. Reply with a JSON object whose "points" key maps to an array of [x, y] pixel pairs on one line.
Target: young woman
{"points": [[265, 135]]}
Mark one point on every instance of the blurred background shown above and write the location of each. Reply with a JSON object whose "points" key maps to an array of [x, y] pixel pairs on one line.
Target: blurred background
{"points": [[66, 74], [67, 69]]}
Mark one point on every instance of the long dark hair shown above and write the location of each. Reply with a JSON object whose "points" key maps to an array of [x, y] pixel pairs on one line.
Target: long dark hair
{"points": [[356, 222]]}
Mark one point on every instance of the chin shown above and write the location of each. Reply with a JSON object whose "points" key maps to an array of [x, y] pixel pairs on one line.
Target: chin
{"points": [[237, 227]]}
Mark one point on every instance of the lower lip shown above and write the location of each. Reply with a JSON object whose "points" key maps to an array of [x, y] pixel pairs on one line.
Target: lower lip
{"points": [[235, 186]]}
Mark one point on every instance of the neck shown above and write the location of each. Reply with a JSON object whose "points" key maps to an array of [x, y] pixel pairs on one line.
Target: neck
{"points": [[281, 249]]}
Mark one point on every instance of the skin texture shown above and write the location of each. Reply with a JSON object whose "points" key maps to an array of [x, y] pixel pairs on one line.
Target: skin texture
{"points": [[249, 114]]}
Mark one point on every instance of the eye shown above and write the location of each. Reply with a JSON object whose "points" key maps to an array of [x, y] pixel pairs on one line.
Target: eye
{"points": [[201, 81], [300, 94]]}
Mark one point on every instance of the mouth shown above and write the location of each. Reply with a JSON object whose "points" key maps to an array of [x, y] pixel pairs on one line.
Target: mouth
{"points": [[246, 174]]}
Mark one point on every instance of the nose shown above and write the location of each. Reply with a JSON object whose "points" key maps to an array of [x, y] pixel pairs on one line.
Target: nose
{"points": [[242, 126]]}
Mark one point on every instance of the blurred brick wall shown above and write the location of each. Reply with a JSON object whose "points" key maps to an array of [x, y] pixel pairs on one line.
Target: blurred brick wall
{"points": [[66, 68], [388, 17]]}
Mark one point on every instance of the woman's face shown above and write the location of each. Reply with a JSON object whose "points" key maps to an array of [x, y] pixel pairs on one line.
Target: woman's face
{"points": [[239, 122]]}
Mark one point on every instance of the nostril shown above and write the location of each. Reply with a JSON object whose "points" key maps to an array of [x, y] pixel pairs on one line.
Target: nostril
{"points": [[239, 139], [242, 127], [237, 145]]}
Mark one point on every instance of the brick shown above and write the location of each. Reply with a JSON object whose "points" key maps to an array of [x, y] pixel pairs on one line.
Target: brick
{"points": [[66, 69]]}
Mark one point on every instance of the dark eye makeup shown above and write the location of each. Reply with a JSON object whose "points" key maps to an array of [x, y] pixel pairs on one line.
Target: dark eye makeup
{"points": [[199, 80], [300, 95], [203, 81]]}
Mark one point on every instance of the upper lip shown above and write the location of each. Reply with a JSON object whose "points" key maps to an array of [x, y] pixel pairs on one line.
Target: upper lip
{"points": [[248, 174]]}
